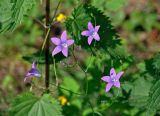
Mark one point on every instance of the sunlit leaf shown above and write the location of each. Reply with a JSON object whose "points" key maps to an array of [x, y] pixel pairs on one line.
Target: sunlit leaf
{"points": [[30, 105]]}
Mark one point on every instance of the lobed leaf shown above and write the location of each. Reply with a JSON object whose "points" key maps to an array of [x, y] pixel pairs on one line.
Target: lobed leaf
{"points": [[12, 13], [78, 23], [154, 98], [29, 105]]}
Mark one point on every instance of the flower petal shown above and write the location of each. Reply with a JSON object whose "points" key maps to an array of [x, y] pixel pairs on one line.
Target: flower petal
{"points": [[56, 50], [117, 84], [112, 72], [90, 26], [96, 37], [108, 86], [90, 38], [55, 40], [97, 28], [33, 72], [119, 75], [85, 33], [64, 36], [106, 78], [65, 52], [70, 42]]}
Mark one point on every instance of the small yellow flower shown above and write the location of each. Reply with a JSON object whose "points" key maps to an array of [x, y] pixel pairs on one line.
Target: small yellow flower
{"points": [[61, 18], [63, 100]]}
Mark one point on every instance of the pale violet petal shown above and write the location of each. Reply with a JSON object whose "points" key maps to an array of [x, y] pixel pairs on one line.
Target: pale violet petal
{"points": [[117, 84], [85, 33], [106, 78], [70, 42], [90, 38], [112, 72], [56, 50], [119, 75], [90, 26], [55, 40], [96, 37], [97, 28], [108, 86], [65, 52], [64, 36]]}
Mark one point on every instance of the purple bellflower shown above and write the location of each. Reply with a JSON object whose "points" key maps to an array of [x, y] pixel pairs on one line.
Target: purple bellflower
{"points": [[91, 33], [62, 44], [113, 79], [33, 72]]}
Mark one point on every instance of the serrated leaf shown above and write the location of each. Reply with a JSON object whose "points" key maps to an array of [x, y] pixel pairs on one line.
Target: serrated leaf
{"points": [[154, 98], [5, 14], [78, 23], [140, 93], [29, 105], [119, 52], [156, 62], [5, 6], [14, 13]]}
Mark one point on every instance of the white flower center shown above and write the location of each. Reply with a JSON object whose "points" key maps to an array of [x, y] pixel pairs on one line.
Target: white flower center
{"points": [[114, 80], [93, 34], [64, 45]]}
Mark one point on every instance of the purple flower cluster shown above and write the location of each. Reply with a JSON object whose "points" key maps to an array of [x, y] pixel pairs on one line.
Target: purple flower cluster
{"points": [[62, 45]]}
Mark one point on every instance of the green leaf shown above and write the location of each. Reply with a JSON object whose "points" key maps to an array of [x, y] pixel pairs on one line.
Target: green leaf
{"points": [[119, 52], [78, 22], [140, 93], [70, 84], [154, 98], [13, 13], [156, 62], [29, 105], [5, 14]]}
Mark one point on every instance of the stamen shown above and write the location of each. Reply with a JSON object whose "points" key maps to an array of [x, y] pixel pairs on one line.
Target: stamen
{"points": [[93, 34], [64, 45]]}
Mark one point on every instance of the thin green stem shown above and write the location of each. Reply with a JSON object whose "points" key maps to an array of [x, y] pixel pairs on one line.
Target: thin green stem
{"points": [[52, 19], [90, 62], [86, 78], [80, 94], [55, 72], [91, 106]]}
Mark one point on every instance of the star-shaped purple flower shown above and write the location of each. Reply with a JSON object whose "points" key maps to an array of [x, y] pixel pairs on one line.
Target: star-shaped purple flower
{"points": [[113, 79], [91, 33], [62, 44], [33, 72]]}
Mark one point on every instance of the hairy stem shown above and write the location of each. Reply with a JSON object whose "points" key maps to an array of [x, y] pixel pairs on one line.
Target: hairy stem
{"points": [[47, 10]]}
